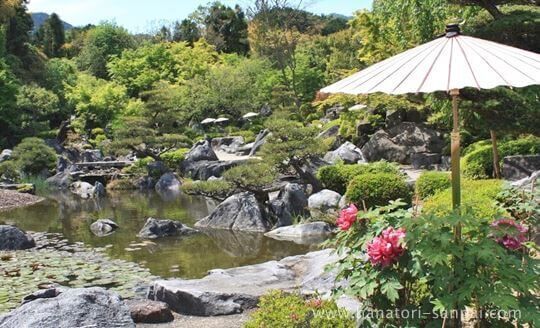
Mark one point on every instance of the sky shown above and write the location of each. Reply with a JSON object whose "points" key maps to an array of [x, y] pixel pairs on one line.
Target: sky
{"points": [[149, 15]]}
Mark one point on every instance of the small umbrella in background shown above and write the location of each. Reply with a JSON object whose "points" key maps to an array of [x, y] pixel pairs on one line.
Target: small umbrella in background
{"points": [[250, 115], [208, 121], [449, 63], [221, 120], [357, 107]]}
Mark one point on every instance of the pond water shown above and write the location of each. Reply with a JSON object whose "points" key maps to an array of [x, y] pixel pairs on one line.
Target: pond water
{"points": [[186, 257]]}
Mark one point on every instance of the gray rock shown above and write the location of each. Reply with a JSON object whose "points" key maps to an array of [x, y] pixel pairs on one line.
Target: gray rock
{"points": [[259, 141], [527, 183], [144, 183], [156, 228], [307, 233], [43, 293], [520, 166], [291, 202], [228, 144], [157, 169], [61, 180], [417, 138], [347, 153], [5, 154], [414, 116], [334, 112], [380, 146], [91, 155], [201, 151], [238, 212], [147, 311], [168, 182], [80, 307], [324, 204], [103, 227], [425, 160], [265, 111], [86, 190], [235, 290], [203, 170], [330, 132], [364, 128], [13, 238], [394, 117]]}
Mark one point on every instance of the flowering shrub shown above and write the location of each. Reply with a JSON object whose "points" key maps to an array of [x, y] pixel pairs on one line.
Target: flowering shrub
{"points": [[347, 217], [385, 249], [509, 233], [394, 261]]}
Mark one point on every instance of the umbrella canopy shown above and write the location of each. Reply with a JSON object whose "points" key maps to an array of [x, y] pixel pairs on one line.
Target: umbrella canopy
{"points": [[208, 120], [250, 115], [221, 120], [451, 62], [357, 107]]}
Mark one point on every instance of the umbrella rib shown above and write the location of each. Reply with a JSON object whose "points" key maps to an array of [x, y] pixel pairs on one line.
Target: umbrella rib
{"points": [[506, 62], [430, 51], [431, 67], [468, 64], [450, 64], [487, 62], [510, 50], [388, 64]]}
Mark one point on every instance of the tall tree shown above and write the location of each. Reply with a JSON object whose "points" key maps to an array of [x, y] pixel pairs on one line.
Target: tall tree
{"points": [[164, 34], [226, 28], [187, 30], [491, 5], [100, 44], [53, 36], [18, 32]]}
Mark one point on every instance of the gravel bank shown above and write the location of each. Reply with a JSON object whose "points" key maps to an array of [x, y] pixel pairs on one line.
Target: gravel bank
{"points": [[11, 199]]}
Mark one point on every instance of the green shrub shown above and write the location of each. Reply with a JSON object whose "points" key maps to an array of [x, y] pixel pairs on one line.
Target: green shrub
{"points": [[337, 177], [377, 189], [248, 135], [478, 198], [279, 309], [139, 167], [174, 158], [216, 189], [430, 182], [478, 163], [32, 156], [9, 171]]}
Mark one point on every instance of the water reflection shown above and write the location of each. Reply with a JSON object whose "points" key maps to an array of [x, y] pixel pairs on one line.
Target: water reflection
{"points": [[188, 257]]}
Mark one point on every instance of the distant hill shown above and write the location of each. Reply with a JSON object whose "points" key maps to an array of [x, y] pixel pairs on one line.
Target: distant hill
{"points": [[40, 18]]}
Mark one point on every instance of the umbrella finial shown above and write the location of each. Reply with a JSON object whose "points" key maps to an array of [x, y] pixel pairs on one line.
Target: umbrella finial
{"points": [[452, 30]]}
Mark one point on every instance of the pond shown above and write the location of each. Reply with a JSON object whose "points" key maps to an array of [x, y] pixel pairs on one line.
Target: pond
{"points": [[185, 257]]}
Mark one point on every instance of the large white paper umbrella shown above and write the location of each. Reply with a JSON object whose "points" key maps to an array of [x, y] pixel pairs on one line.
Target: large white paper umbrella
{"points": [[449, 63]]}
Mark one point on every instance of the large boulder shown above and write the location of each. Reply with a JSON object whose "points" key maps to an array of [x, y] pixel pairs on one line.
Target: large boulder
{"points": [[156, 228], [80, 307], [380, 146], [520, 166], [5, 155], [259, 141], [235, 290], [204, 170], [13, 238], [168, 182], [86, 190], [417, 138], [103, 227], [324, 204], [347, 153], [228, 144], [238, 212], [394, 117], [147, 311], [91, 155], [426, 161], [331, 132], [291, 202], [157, 169], [201, 151], [307, 233]]}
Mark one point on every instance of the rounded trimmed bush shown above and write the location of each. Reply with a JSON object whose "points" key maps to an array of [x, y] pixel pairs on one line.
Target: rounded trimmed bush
{"points": [[337, 177], [32, 156], [174, 158], [431, 182], [478, 198], [377, 189]]}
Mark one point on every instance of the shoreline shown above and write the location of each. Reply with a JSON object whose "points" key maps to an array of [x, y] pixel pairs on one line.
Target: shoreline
{"points": [[10, 200]]}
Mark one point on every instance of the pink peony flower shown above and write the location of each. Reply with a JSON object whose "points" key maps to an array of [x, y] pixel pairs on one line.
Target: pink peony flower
{"points": [[386, 248], [347, 217], [509, 233]]}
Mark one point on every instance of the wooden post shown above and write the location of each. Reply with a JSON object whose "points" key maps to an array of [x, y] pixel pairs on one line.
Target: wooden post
{"points": [[455, 152]]}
